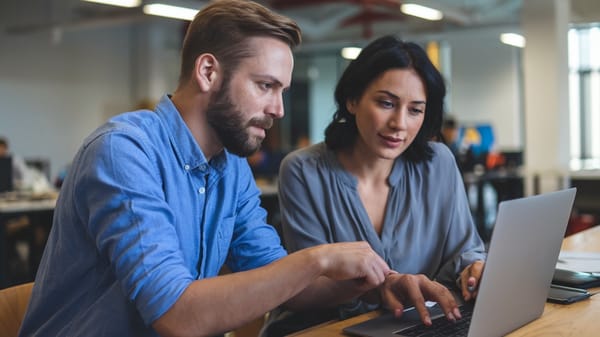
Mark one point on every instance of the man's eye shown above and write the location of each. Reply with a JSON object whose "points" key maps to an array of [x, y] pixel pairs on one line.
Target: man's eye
{"points": [[266, 85]]}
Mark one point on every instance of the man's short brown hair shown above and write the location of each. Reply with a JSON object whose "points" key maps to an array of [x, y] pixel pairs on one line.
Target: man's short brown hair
{"points": [[223, 27]]}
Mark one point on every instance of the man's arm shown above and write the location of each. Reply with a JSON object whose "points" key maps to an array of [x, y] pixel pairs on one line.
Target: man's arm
{"points": [[215, 305]]}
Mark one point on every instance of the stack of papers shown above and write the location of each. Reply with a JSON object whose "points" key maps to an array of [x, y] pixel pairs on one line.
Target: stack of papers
{"points": [[579, 261]]}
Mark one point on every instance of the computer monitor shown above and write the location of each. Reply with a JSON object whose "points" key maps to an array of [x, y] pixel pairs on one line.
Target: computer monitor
{"points": [[474, 143], [513, 159], [6, 174], [478, 138]]}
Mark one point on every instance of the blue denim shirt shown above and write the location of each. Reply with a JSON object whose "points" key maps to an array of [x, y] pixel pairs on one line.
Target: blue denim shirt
{"points": [[140, 216]]}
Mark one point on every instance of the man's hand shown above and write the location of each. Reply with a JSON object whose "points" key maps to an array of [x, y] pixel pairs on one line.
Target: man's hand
{"points": [[399, 290], [469, 280], [352, 261]]}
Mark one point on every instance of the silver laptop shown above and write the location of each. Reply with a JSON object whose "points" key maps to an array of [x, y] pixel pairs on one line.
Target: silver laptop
{"points": [[521, 259]]}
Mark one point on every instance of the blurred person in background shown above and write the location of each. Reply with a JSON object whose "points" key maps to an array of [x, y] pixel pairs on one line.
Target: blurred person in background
{"points": [[20, 172]]}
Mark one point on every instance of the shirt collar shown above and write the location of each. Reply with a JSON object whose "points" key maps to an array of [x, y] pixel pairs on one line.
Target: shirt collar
{"points": [[184, 144]]}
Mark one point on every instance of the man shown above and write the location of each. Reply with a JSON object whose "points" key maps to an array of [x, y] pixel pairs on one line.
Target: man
{"points": [[156, 202]]}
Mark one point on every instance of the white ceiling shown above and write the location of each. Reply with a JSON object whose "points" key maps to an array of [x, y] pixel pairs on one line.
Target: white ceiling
{"points": [[321, 20]]}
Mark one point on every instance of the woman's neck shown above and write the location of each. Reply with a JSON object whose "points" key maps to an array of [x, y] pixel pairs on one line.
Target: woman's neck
{"points": [[366, 167]]}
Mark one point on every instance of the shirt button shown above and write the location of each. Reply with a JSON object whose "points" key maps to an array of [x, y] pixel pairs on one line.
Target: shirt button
{"points": [[186, 167], [203, 167], [201, 190]]}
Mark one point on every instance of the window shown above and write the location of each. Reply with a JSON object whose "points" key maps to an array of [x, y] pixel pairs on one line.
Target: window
{"points": [[584, 97]]}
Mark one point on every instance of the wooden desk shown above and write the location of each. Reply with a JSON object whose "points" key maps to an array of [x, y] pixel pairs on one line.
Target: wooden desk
{"points": [[580, 319]]}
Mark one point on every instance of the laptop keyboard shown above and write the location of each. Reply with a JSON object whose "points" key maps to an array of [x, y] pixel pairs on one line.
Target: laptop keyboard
{"points": [[441, 326]]}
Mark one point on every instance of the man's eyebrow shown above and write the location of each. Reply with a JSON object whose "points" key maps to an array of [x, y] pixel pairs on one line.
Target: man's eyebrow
{"points": [[274, 81], [271, 79]]}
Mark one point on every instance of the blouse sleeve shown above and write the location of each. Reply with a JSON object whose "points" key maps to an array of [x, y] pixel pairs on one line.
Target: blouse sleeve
{"points": [[463, 245], [301, 207]]}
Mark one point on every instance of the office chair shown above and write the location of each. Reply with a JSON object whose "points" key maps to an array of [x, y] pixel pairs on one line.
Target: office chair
{"points": [[13, 303]]}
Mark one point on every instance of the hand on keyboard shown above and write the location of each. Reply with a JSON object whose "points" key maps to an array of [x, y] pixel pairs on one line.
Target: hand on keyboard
{"points": [[403, 290]]}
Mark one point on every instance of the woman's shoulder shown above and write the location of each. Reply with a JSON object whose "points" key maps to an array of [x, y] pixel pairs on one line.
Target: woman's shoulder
{"points": [[441, 153], [308, 156]]}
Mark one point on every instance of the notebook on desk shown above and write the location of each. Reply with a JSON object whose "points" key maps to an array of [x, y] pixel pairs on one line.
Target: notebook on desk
{"points": [[514, 286]]}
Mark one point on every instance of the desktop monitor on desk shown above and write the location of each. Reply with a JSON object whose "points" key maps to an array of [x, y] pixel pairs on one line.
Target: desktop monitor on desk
{"points": [[6, 174], [473, 144], [512, 159], [479, 138]]}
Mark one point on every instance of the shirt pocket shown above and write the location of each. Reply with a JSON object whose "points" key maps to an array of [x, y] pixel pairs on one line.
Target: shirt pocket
{"points": [[224, 235]]}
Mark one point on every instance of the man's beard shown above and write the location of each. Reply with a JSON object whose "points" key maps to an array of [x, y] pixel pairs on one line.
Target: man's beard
{"points": [[228, 122]]}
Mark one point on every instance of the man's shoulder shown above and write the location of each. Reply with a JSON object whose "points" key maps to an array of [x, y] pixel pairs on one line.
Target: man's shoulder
{"points": [[135, 124], [138, 119]]}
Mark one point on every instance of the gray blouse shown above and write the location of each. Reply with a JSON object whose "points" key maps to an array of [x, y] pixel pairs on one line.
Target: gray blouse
{"points": [[427, 229]]}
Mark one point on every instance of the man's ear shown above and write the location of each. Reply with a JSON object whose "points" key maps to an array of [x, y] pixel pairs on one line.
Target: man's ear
{"points": [[206, 71]]}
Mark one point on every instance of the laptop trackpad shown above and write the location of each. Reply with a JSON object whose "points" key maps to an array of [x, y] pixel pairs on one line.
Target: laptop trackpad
{"points": [[387, 324]]}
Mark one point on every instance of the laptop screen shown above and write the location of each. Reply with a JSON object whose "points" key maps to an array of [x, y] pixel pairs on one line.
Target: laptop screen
{"points": [[520, 264]]}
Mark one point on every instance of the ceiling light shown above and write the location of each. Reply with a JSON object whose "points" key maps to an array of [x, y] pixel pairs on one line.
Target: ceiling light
{"points": [[121, 3], [513, 39], [350, 53], [169, 11], [421, 12]]}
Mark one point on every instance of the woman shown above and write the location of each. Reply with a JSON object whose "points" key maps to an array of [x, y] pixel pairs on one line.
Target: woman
{"points": [[378, 178]]}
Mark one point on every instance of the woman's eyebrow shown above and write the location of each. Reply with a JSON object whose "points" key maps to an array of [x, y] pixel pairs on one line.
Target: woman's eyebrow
{"points": [[389, 93]]}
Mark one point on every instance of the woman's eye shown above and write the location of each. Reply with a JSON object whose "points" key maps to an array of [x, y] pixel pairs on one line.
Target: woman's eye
{"points": [[386, 104]]}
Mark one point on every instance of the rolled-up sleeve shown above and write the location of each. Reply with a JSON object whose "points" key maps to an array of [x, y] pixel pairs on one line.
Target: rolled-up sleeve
{"points": [[131, 223], [254, 242]]}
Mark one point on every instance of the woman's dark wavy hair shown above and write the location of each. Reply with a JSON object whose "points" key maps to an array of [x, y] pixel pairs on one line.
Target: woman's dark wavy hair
{"points": [[382, 54]]}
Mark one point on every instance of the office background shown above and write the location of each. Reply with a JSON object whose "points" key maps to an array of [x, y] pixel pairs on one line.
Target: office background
{"points": [[59, 80]]}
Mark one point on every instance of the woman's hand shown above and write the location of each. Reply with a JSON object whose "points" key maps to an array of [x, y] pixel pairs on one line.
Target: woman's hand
{"points": [[400, 290], [469, 280]]}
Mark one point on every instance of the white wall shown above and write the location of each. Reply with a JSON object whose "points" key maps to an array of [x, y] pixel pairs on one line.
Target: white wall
{"points": [[53, 94], [485, 84], [546, 84], [323, 77]]}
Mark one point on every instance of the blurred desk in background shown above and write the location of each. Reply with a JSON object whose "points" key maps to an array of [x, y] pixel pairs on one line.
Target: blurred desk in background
{"points": [[588, 192], [270, 202], [486, 190], [267, 188], [25, 221]]}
